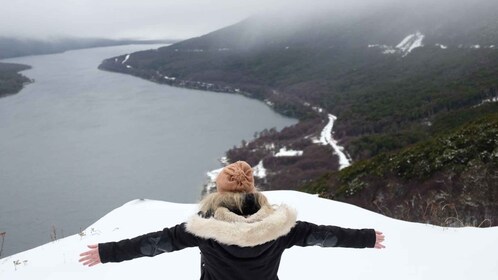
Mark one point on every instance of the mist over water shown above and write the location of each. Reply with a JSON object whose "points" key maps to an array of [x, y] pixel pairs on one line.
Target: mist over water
{"points": [[79, 142]]}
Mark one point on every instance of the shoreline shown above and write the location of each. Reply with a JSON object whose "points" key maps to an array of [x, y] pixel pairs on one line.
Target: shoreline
{"points": [[256, 150], [13, 80]]}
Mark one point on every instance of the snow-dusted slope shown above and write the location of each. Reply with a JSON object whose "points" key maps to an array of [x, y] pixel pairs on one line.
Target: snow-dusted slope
{"points": [[414, 251], [406, 45], [410, 42]]}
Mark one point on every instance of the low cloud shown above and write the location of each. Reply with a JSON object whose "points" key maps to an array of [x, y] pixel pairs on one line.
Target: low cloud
{"points": [[166, 19]]}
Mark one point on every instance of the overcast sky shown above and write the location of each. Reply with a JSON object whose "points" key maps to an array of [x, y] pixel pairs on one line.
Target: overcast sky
{"points": [[140, 19], [159, 19]]}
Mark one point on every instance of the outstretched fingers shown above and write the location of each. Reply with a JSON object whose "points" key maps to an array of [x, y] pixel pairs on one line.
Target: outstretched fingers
{"points": [[90, 257], [379, 238]]}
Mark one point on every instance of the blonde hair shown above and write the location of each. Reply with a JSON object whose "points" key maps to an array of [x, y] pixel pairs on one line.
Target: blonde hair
{"points": [[230, 200]]}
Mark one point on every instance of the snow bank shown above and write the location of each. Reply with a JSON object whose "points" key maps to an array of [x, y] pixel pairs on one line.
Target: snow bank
{"points": [[442, 46], [489, 100], [283, 152], [212, 175], [269, 103], [259, 171], [326, 139], [413, 251]]}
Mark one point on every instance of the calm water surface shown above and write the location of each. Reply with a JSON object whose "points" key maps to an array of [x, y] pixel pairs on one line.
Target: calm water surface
{"points": [[80, 142]]}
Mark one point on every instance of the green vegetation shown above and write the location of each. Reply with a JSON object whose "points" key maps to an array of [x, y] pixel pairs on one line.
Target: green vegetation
{"points": [[460, 164], [454, 151]]}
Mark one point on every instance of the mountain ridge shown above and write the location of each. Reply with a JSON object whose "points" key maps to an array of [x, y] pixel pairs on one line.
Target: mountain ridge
{"points": [[16, 47], [442, 68]]}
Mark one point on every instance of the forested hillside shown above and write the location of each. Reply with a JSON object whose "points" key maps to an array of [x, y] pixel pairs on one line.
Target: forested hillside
{"points": [[449, 179], [394, 76]]}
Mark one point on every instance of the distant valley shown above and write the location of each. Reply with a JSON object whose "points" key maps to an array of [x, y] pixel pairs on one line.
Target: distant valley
{"points": [[413, 87], [11, 81], [15, 47]]}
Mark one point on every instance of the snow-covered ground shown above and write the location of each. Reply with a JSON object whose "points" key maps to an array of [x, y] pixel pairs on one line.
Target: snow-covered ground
{"points": [[413, 251]]}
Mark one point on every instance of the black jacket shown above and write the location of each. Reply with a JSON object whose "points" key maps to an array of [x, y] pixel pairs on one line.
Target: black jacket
{"points": [[238, 247]]}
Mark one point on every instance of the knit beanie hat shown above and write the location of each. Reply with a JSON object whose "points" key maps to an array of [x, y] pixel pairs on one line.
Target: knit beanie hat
{"points": [[236, 177]]}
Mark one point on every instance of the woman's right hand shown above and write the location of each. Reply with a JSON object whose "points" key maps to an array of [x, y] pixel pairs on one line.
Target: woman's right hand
{"points": [[379, 238]]}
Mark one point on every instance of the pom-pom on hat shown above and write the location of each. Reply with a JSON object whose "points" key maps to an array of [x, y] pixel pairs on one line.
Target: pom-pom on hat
{"points": [[236, 177]]}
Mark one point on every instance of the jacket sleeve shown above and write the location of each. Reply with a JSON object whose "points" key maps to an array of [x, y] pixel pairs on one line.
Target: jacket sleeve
{"points": [[308, 234], [150, 244]]}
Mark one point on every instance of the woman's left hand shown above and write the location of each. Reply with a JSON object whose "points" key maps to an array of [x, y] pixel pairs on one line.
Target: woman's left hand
{"points": [[91, 257]]}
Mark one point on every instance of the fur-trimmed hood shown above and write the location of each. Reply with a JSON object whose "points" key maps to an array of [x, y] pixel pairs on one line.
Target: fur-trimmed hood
{"points": [[226, 227]]}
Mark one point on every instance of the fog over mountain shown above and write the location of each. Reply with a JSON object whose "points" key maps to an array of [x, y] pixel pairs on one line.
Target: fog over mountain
{"points": [[118, 18], [154, 19], [393, 74], [181, 19], [380, 24]]}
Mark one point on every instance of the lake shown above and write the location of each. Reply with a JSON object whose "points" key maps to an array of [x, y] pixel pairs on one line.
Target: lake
{"points": [[79, 142]]}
